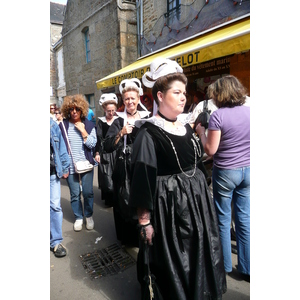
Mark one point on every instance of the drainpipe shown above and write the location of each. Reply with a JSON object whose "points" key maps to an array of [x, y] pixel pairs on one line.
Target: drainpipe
{"points": [[138, 29], [142, 21]]}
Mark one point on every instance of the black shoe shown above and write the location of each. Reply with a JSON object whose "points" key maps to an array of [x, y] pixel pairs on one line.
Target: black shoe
{"points": [[59, 250], [245, 277], [232, 234], [233, 249]]}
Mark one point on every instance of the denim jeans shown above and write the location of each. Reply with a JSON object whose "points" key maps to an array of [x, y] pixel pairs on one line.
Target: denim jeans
{"points": [[233, 185], [87, 193], [56, 214]]}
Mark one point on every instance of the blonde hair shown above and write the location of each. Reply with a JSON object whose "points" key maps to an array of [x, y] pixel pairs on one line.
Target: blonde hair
{"points": [[77, 100], [129, 89]]}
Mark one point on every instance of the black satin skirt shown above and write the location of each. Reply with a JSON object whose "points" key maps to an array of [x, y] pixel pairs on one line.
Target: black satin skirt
{"points": [[105, 182], [186, 257]]}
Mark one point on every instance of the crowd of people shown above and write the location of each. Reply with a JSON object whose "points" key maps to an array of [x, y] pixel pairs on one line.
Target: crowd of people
{"points": [[150, 170]]}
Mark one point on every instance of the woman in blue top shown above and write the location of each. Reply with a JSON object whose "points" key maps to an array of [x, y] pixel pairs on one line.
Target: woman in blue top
{"points": [[228, 140], [82, 137]]}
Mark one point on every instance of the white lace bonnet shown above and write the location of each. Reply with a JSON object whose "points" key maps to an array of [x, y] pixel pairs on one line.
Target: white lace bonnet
{"points": [[108, 97], [158, 68]]}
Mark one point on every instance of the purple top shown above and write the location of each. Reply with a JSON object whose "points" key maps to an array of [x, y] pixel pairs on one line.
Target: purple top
{"points": [[234, 147]]}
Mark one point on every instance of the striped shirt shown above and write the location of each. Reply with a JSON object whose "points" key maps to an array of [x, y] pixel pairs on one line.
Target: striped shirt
{"points": [[77, 144]]}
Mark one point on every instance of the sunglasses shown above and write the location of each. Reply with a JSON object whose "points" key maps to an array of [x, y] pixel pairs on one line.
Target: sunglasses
{"points": [[57, 113], [76, 108]]}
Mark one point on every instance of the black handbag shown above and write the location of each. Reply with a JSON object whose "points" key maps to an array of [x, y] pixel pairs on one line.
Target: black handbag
{"points": [[204, 116], [149, 287]]}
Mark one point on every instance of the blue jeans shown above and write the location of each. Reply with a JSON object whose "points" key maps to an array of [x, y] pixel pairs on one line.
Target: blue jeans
{"points": [[233, 185], [87, 193], [56, 214]]}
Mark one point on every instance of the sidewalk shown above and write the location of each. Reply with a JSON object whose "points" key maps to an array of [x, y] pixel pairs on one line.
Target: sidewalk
{"points": [[69, 279]]}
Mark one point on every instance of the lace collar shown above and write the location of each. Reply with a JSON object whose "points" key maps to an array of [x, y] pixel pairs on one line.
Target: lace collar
{"points": [[142, 113], [103, 119], [159, 122]]}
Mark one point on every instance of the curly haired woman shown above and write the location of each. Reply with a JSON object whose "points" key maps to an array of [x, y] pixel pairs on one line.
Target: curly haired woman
{"points": [[82, 137]]}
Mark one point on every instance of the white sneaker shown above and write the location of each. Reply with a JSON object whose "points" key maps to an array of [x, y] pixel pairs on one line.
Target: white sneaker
{"points": [[89, 223], [78, 225]]}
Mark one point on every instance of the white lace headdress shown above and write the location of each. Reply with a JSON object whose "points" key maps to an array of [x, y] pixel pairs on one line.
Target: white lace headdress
{"points": [[158, 68], [107, 97]]}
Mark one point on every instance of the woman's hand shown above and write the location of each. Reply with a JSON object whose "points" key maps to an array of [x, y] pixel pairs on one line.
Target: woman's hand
{"points": [[200, 129], [80, 126], [147, 233], [146, 228], [127, 129], [97, 158], [65, 176]]}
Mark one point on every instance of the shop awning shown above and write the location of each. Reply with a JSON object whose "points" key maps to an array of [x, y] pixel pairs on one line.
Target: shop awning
{"points": [[227, 40]]}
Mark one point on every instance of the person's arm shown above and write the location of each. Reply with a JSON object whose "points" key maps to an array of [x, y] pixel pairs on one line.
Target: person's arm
{"points": [[211, 142], [81, 127], [110, 137], [63, 155], [91, 139], [198, 109], [143, 182], [146, 228], [99, 145], [127, 129]]}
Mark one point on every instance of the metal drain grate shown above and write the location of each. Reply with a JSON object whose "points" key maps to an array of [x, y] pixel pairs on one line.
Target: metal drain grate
{"points": [[107, 261]]}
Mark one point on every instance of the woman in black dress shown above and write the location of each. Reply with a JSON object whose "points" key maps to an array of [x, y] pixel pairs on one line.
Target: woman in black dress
{"points": [[120, 138], [176, 214], [105, 160]]}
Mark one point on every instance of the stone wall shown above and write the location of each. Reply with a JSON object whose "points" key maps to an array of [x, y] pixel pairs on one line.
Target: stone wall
{"points": [[113, 44], [55, 35]]}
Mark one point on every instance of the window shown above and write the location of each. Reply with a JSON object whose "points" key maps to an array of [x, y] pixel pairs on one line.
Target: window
{"points": [[87, 45], [91, 100], [60, 67], [173, 4], [173, 9]]}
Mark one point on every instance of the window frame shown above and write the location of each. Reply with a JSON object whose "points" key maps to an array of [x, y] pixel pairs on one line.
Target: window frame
{"points": [[87, 45], [173, 9]]}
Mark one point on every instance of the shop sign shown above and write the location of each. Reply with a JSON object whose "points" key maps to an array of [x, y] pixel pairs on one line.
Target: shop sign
{"points": [[209, 68], [190, 64], [183, 60], [133, 74]]}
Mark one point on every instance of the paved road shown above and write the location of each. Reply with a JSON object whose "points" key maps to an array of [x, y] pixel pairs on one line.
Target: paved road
{"points": [[68, 278]]}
